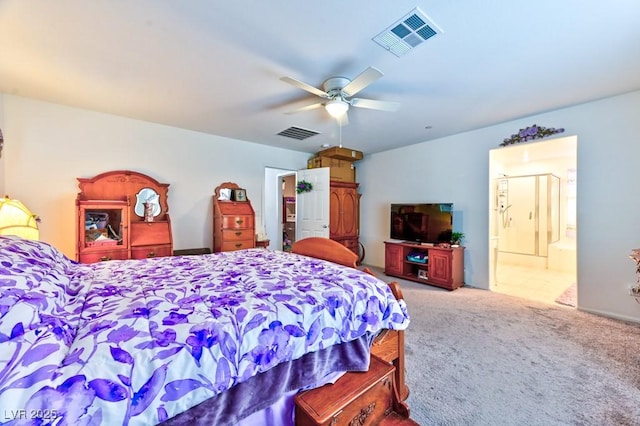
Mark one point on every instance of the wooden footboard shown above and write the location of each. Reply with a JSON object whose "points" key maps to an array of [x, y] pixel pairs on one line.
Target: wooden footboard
{"points": [[389, 344]]}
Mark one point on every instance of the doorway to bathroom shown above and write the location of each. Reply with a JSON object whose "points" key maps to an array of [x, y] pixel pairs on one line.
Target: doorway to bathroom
{"points": [[532, 213]]}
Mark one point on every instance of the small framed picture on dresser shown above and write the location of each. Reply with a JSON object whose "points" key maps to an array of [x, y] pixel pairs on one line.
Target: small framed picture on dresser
{"points": [[240, 195], [225, 194]]}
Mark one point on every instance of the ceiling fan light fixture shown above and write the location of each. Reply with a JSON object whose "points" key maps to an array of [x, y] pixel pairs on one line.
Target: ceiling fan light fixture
{"points": [[336, 107]]}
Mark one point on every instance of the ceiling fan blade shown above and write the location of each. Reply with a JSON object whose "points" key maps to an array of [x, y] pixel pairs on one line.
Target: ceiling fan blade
{"points": [[373, 104], [305, 86], [306, 108], [364, 79]]}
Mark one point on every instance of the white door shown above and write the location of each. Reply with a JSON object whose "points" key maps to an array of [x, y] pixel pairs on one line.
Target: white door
{"points": [[312, 208]]}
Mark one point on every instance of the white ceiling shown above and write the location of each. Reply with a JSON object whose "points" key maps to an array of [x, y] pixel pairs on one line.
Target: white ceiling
{"points": [[215, 67]]}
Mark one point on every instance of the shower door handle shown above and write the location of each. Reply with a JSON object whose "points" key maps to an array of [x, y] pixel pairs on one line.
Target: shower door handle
{"points": [[530, 215]]}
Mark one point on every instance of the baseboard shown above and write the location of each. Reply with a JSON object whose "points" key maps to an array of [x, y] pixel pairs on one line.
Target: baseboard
{"points": [[610, 315]]}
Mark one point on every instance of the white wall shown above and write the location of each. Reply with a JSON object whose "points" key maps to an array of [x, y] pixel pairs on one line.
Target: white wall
{"points": [[456, 169], [48, 146]]}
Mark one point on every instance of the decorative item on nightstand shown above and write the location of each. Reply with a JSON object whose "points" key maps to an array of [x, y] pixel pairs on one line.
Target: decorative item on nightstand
{"points": [[262, 240]]}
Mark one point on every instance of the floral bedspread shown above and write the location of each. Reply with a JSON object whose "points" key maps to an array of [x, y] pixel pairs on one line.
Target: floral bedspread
{"points": [[137, 342]]}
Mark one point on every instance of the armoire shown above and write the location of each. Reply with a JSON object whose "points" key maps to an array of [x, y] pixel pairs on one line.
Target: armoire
{"points": [[344, 214]]}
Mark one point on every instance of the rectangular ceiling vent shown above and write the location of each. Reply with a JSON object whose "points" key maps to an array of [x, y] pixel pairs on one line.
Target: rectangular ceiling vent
{"points": [[297, 133], [409, 32]]}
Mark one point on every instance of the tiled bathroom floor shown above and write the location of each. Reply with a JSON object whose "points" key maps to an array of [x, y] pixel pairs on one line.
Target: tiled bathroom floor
{"points": [[542, 285]]}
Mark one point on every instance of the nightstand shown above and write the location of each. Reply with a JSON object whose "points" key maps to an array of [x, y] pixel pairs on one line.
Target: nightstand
{"points": [[262, 244]]}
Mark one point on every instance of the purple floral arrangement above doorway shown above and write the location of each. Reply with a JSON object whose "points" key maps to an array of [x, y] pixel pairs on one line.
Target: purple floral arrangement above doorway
{"points": [[530, 133]]}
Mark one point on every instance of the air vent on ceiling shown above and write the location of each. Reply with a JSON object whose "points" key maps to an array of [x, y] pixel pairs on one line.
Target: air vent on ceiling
{"points": [[408, 33], [297, 133]]}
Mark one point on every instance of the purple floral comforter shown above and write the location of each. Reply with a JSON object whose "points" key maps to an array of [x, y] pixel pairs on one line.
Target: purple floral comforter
{"points": [[137, 342]]}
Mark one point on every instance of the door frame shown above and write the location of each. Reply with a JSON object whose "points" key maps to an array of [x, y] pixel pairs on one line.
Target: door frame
{"points": [[523, 156], [272, 212]]}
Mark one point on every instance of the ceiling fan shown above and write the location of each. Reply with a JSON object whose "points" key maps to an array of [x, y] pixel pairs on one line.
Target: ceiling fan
{"points": [[338, 92]]}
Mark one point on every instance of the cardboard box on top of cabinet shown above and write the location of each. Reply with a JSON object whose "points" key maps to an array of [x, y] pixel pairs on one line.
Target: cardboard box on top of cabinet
{"points": [[339, 170], [341, 153]]}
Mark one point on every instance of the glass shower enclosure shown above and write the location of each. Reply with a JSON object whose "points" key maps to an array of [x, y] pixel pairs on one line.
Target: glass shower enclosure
{"points": [[528, 213]]}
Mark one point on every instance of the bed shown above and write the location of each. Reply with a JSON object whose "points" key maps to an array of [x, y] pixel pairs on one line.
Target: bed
{"points": [[210, 339]]}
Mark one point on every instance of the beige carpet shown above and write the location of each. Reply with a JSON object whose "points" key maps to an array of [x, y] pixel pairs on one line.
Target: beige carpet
{"points": [[476, 357]]}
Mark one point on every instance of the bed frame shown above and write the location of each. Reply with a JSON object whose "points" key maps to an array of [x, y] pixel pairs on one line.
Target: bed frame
{"points": [[388, 345]]}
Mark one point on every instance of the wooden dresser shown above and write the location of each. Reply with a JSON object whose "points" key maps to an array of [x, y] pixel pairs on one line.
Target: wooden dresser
{"points": [[111, 222], [233, 220]]}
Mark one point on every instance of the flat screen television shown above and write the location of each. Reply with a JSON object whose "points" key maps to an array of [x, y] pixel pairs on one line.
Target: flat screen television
{"points": [[422, 222]]}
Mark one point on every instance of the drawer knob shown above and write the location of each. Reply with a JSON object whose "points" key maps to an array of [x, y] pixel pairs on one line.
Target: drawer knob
{"points": [[151, 254], [239, 221], [238, 245], [105, 258], [238, 233]]}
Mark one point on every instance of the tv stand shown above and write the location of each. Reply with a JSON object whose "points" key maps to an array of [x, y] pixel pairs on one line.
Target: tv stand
{"points": [[418, 243], [438, 266]]}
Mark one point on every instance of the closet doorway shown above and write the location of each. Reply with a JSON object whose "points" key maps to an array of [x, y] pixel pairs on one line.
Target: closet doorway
{"points": [[288, 212], [274, 212], [532, 213]]}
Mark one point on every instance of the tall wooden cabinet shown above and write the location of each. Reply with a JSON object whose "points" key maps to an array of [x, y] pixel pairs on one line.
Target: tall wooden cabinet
{"points": [[110, 217], [233, 220], [344, 214]]}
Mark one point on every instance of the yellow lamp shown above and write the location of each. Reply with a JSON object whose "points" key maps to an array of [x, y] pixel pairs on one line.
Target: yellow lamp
{"points": [[16, 219]]}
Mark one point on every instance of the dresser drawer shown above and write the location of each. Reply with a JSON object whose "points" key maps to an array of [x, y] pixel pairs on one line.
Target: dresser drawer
{"points": [[146, 252], [150, 233], [237, 234], [101, 256], [238, 245], [237, 222], [355, 398]]}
